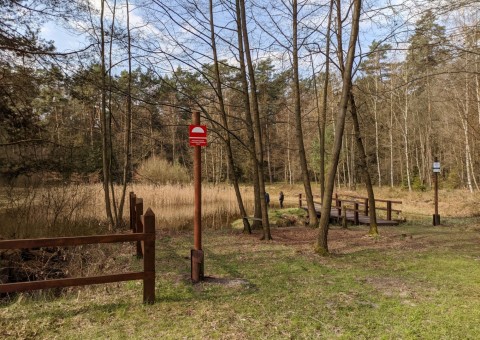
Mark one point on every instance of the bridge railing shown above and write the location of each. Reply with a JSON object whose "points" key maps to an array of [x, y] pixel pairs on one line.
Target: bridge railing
{"points": [[358, 204]]}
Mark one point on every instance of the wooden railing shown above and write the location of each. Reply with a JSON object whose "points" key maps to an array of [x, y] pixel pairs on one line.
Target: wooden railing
{"points": [[358, 204], [143, 234]]}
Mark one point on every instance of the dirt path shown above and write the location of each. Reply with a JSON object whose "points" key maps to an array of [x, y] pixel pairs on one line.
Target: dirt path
{"points": [[345, 241]]}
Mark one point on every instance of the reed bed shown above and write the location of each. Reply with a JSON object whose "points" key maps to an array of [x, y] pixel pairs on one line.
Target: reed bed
{"points": [[173, 204], [39, 211], [78, 209], [36, 210]]}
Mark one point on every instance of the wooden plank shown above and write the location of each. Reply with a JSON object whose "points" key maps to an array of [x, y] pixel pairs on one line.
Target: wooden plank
{"points": [[132, 198], [353, 196], [385, 209], [138, 224], [382, 200], [350, 215], [70, 241], [70, 282], [149, 258], [350, 201]]}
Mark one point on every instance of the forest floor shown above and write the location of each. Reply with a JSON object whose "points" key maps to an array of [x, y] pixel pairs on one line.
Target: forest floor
{"points": [[414, 281]]}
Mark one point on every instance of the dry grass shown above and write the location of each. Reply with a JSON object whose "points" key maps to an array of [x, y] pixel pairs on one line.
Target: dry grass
{"points": [[173, 204], [72, 209], [35, 211], [415, 204], [452, 203], [159, 171]]}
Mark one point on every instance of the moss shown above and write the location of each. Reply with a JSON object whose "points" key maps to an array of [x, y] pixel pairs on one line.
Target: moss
{"points": [[279, 217]]}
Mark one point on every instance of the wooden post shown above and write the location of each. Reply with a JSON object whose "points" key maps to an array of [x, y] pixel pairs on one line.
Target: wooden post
{"points": [[436, 216], [366, 206], [389, 210], [149, 257], [339, 206], [132, 198], [196, 256], [355, 213], [344, 219], [299, 200], [138, 224]]}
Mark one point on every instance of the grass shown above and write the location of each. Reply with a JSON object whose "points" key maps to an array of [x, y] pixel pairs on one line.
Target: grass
{"points": [[415, 281], [279, 217]]}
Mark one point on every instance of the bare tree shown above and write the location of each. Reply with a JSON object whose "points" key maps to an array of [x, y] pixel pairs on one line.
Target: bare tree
{"points": [[256, 124], [312, 214], [223, 114], [322, 242]]}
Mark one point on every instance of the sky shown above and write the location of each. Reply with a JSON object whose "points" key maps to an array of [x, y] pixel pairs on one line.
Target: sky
{"points": [[375, 26], [65, 41]]}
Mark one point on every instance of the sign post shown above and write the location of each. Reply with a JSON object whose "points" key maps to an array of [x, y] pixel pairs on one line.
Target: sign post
{"points": [[436, 170], [198, 138]]}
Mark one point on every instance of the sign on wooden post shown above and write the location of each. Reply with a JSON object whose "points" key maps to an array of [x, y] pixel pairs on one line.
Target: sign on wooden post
{"points": [[198, 138], [198, 135], [436, 171]]}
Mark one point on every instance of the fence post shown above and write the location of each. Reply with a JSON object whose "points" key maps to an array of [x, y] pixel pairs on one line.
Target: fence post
{"points": [[389, 210], [366, 206], [138, 224], [132, 199], [355, 213], [149, 257], [339, 205], [299, 200]]}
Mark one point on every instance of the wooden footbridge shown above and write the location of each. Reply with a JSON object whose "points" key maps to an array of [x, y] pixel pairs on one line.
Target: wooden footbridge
{"points": [[355, 209]]}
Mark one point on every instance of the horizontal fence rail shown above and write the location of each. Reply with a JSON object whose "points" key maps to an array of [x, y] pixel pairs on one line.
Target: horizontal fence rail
{"points": [[69, 241], [143, 228], [359, 205]]}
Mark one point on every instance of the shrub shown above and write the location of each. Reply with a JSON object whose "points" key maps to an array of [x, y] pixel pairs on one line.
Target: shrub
{"points": [[160, 171]]}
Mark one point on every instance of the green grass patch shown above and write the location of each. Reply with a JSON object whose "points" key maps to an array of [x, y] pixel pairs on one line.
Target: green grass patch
{"points": [[423, 285]]}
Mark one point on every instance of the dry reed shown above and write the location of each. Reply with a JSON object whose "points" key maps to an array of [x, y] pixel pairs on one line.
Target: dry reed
{"points": [[72, 209], [35, 211]]}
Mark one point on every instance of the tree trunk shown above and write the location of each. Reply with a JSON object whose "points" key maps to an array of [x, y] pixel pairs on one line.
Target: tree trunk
{"points": [[312, 214], [289, 157], [223, 114], [362, 162], [104, 120], [377, 144], [323, 120], [110, 116], [256, 126], [128, 120], [390, 132], [322, 242], [405, 135], [464, 119], [248, 118]]}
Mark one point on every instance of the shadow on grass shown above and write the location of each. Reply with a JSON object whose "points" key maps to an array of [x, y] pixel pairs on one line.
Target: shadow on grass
{"points": [[70, 309]]}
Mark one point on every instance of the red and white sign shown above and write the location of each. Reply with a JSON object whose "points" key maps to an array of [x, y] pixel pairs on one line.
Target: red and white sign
{"points": [[198, 135]]}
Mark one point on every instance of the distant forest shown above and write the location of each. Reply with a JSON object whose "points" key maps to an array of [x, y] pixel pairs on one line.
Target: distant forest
{"points": [[128, 96]]}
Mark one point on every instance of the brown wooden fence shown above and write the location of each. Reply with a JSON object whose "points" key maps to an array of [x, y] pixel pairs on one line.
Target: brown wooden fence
{"points": [[358, 205], [143, 233]]}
